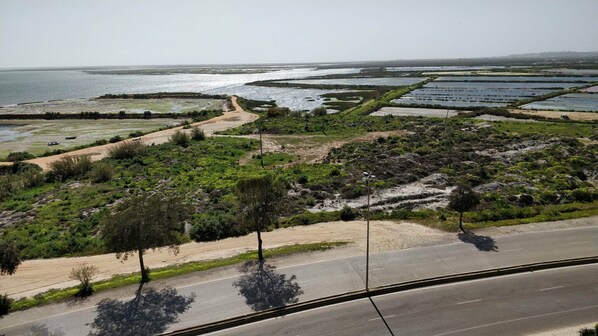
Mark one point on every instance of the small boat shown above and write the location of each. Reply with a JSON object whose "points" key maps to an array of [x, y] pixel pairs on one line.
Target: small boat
{"points": [[70, 137], [53, 143]]}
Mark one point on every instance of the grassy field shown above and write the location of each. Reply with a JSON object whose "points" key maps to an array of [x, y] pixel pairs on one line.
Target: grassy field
{"points": [[34, 135]]}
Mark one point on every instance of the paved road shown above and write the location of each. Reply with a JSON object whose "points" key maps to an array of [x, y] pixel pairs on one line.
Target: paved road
{"points": [[510, 305], [220, 299]]}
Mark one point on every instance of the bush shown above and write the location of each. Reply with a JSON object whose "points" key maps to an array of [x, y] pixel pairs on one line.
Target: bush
{"points": [[347, 213], [8, 186], [70, 166], [587, 332], [32, 178], [319, 111], [274, 112], [127, 150], [353, 191], [101, 172], [197, 133], [115, 139], [180, 138], [135, 134], [5, 303], [84, 273], [19, 156], [302, 179], [212, 227]]}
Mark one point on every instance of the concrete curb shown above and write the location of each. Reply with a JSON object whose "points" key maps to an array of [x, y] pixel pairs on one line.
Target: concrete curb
{"points": [[351, 296]]}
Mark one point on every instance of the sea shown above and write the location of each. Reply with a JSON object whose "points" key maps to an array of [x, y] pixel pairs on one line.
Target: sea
{"points": [[26, 86]]}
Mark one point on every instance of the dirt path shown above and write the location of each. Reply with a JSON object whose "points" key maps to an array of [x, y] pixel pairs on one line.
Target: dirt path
{"points": [[228, 120], [35, 276], [310, 148]]}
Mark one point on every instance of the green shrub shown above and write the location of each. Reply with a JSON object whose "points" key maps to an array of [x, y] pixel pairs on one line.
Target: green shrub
{"points": [[32, 178], [135, 134], [19, 156], [180, 138], [319, 111], [347, 213], [275, 112], [127, 149], [70, 166], [587, 332], [208, 227], [584, 194], [351, 191], [5, 303], [102, 172], [8, 186], [197, 133], [302, 179], [115, 139]]}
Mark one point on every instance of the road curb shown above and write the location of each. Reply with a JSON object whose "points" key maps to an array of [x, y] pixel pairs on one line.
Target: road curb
{"points": [[356, 295]]}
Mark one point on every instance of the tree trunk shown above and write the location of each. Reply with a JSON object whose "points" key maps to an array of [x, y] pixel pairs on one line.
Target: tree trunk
{"points": [[144, 277], [260, 255], [261, 153], [461, 221]]}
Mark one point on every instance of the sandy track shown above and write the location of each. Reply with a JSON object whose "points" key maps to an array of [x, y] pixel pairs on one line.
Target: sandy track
{"points": [[228, 120], [35, 276]]}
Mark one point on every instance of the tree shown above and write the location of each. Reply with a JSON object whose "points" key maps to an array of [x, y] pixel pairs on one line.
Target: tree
{"points": [[462, 199], [147, 221], [9, 258], [258, 201], [9, 261]]}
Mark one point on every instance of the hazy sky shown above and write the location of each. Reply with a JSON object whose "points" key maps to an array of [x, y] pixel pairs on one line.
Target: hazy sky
{"points": [[127, 32]]}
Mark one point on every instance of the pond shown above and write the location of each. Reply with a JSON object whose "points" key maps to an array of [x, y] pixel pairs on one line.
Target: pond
{"points": [[568, 102]]}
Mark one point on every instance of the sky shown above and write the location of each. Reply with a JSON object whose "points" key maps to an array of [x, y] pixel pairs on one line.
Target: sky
{"points": [[62, 33]]}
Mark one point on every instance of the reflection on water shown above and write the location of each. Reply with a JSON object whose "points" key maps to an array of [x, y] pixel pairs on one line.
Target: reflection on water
{"points": [[150, 312], [263, 287]]}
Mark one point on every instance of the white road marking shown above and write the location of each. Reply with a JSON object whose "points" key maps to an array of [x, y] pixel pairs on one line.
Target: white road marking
{"points": [[511, 250], [580, 242], [469, 301], [550, 288], [444, 259]]}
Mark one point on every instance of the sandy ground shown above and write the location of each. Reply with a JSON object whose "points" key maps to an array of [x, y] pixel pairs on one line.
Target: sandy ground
{"points": [[228, 120], [583, 116], [35, 276]]}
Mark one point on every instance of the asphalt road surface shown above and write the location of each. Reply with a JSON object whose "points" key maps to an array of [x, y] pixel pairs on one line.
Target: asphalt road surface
{"points": [[220, 299], [509, 305]]}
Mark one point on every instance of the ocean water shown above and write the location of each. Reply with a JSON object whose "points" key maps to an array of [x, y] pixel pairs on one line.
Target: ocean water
{"points": [[43, 85]]}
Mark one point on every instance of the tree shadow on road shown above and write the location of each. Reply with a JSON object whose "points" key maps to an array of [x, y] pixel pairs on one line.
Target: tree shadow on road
{"points": [[150, 312], [482, 243], [264, 288]]}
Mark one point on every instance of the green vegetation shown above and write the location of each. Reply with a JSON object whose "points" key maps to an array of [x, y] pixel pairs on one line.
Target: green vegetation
{"points": [[56, 295], [272, 159]]}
